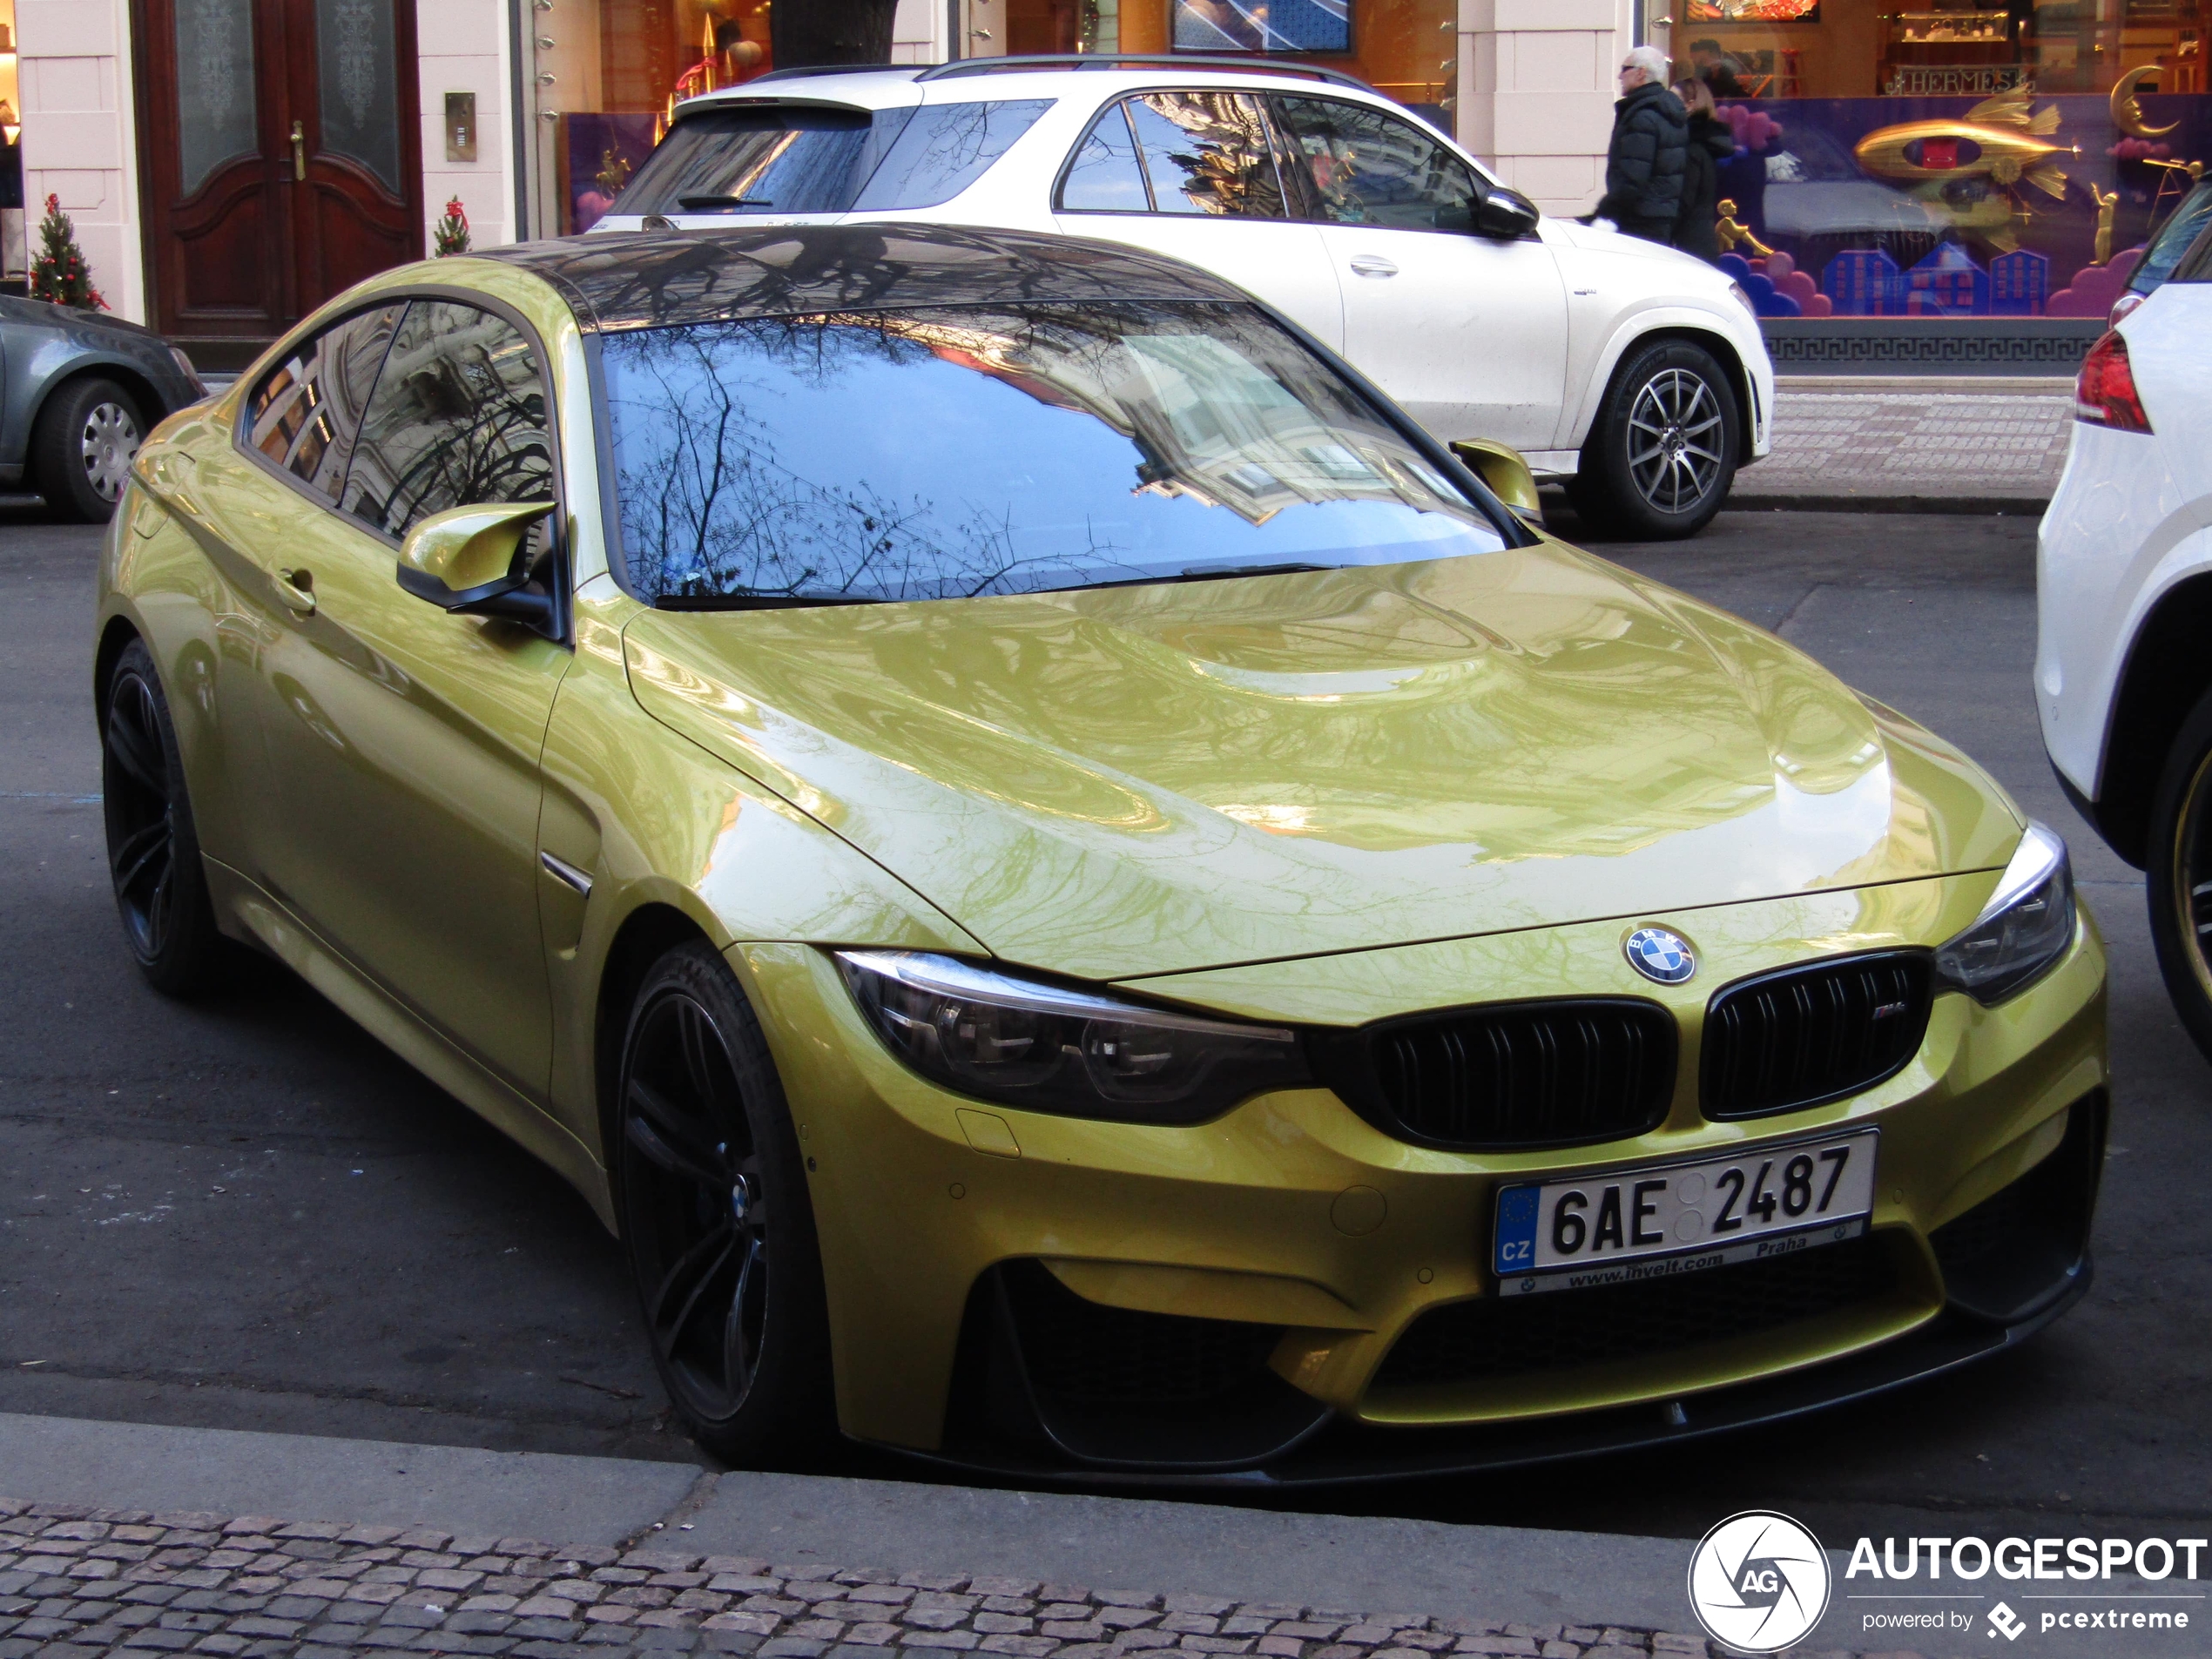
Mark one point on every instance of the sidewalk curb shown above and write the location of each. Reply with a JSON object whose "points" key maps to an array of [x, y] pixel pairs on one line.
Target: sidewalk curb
{"points": [[1809, 502]]}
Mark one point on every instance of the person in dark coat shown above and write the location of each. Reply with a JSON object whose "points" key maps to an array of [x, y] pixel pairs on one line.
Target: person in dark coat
{"points": [[1711, 142], [1643, 163]]}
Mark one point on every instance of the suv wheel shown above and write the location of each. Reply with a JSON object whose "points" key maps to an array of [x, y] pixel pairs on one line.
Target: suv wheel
{"points": [[2178, 868], [82, 446], [1659, 462]]}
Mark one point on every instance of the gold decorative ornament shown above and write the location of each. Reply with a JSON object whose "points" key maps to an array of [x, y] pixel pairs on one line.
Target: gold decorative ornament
{"points": [[2127, 110]]}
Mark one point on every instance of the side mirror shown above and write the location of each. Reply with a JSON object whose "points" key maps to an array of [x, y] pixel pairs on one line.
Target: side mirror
{"points": [[1501, 467], [474, 561], [1506, 214]]}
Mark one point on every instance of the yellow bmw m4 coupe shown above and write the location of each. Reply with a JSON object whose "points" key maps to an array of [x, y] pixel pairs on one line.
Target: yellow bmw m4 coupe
{"points": [[1083, 898]]}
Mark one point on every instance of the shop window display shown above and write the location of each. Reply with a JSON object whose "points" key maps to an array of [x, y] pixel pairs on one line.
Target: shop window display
{"points": [[1949, 158]]}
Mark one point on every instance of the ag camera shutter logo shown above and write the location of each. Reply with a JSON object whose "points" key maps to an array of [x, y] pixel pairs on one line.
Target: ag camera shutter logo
{"points": [[1759, 1581]]}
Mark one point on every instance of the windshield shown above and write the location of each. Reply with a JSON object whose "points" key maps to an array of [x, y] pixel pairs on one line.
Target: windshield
{"points": [[800, 159], [2174, 239], [942, 453]]}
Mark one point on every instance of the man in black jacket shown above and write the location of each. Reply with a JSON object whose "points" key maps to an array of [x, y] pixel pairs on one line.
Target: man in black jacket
{"points": [[1644, 163]]}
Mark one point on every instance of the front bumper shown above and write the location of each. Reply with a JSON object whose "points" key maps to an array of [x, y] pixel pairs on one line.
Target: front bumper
{"points": [[1221, 1303]]}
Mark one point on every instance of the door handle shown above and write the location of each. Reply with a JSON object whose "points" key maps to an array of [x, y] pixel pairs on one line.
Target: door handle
{"points": [[1374, 265], [298, 152], [298, 587]]}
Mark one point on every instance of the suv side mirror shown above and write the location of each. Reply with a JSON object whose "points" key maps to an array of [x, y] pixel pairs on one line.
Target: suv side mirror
{"points": [[1505, 214], [474, 561], [1501, 467]]}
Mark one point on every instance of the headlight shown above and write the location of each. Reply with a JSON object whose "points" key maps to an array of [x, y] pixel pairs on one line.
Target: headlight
{"points": [[1046, 1047], [1735, 292], [2025, 927]]}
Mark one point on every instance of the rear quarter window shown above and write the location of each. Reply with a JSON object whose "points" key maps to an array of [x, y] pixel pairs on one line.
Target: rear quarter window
{"points": [[790, 159]]}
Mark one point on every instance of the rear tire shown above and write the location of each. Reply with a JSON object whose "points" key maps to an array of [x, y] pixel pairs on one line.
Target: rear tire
{"points": [[1662, 456], [82, 445], [2178, 862], [152, 847], [716, 1220]]}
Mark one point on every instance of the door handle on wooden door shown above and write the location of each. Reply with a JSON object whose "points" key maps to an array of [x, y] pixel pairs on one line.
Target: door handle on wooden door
{"points": [[298, 152], [1374, 265]]}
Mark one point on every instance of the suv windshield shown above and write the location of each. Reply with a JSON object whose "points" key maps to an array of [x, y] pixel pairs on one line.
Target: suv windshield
{"points": [[967, 450], [800, 159]]}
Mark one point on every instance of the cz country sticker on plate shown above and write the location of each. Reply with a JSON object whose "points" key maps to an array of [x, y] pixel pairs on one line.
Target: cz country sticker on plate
{"points": [[1659, 1220]]}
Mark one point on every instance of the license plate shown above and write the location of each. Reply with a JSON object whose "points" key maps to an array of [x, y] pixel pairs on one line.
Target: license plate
{"points": [[1663, 1219]]}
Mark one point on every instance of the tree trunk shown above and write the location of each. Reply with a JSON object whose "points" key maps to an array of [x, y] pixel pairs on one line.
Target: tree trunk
{"points": [[803, 33]]}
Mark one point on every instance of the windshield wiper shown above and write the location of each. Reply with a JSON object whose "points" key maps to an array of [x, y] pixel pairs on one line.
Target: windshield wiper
{"points": [[1215, 572], [707, 203]]}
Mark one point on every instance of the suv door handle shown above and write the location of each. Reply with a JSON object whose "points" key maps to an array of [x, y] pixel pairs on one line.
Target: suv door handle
{"points": [[1374, 265], [298, 588]]}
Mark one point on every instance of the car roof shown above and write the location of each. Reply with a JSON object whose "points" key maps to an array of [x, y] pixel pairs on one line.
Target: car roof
{"points": [[969, 79], [623, 280]]}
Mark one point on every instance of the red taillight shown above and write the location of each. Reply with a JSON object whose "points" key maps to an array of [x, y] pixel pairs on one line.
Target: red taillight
{"points": [[2105, 395]]}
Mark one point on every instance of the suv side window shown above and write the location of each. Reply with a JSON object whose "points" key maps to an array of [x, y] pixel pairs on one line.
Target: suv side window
{"points": [[458, 419], [305, 413], [1363, 166], [1177, 153]]}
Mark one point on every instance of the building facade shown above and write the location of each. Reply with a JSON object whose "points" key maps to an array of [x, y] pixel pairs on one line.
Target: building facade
{"points": [[230, 163]]}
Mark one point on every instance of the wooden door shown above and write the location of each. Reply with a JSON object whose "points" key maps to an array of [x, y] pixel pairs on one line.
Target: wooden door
{"points": [[280, 156]]}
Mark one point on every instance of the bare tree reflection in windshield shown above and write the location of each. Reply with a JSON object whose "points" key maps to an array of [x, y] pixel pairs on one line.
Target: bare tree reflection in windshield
{"points": [[960, 451]]}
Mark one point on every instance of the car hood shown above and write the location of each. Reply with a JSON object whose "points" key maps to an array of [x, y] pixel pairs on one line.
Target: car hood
{"points": [[1151, 779]]}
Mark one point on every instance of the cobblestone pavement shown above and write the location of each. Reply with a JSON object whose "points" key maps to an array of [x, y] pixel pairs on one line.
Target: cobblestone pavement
{"points": [[1915, 443], [75, 1582]]}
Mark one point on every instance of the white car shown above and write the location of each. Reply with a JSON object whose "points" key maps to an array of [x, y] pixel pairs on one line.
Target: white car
{"points": [[2123, 670], [1635, 371]]}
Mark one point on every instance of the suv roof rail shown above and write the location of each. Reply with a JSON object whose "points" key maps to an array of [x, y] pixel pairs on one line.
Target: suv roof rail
{"points": [[1118, 60], [820, 69]]}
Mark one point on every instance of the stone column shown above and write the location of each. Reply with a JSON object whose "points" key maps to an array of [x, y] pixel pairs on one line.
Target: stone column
{"points": [[80, 139], [1536, 91]]}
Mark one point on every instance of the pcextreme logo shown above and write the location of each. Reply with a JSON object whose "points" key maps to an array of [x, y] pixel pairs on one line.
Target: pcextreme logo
{"points": [[1759, 1581]]}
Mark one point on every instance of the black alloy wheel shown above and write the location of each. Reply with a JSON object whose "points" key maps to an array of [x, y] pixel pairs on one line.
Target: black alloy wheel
{"points": [[716, 1219], [153, 847], [1661, 459], [2178, 871], [82, 445]]}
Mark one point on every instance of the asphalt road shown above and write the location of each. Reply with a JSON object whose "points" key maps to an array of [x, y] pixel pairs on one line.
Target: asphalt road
{"points": [[245, 1214]]}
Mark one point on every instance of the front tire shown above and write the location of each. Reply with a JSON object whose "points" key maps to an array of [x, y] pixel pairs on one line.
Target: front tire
{"points": [[2178, 871], [716, 1219], [1663, 455], [153, 845], [82, 446]]}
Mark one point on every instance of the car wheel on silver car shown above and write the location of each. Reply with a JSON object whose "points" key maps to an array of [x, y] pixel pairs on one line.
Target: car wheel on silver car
{"points": [[1660, 457], [715, 1216], [82, 449]]}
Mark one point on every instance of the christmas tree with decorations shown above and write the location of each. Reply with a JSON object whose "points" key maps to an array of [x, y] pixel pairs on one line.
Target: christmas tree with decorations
{"points": [[58, 274], [450, 234]]}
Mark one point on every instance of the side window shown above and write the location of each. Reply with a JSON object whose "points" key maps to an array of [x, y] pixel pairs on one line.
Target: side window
{"points": [[945, 148], [304, 415], [1362, 166], [1207, 153], [458, 419], [1106, 177]]}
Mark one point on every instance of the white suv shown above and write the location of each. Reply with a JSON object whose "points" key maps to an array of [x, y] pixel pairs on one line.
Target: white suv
{"points": [[2123, 673], [1635, 371]]}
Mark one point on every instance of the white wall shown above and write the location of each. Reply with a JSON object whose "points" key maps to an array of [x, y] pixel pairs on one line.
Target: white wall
{"points": [[79, 136], [1537, 81], [918, 32], [463, 47]]}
